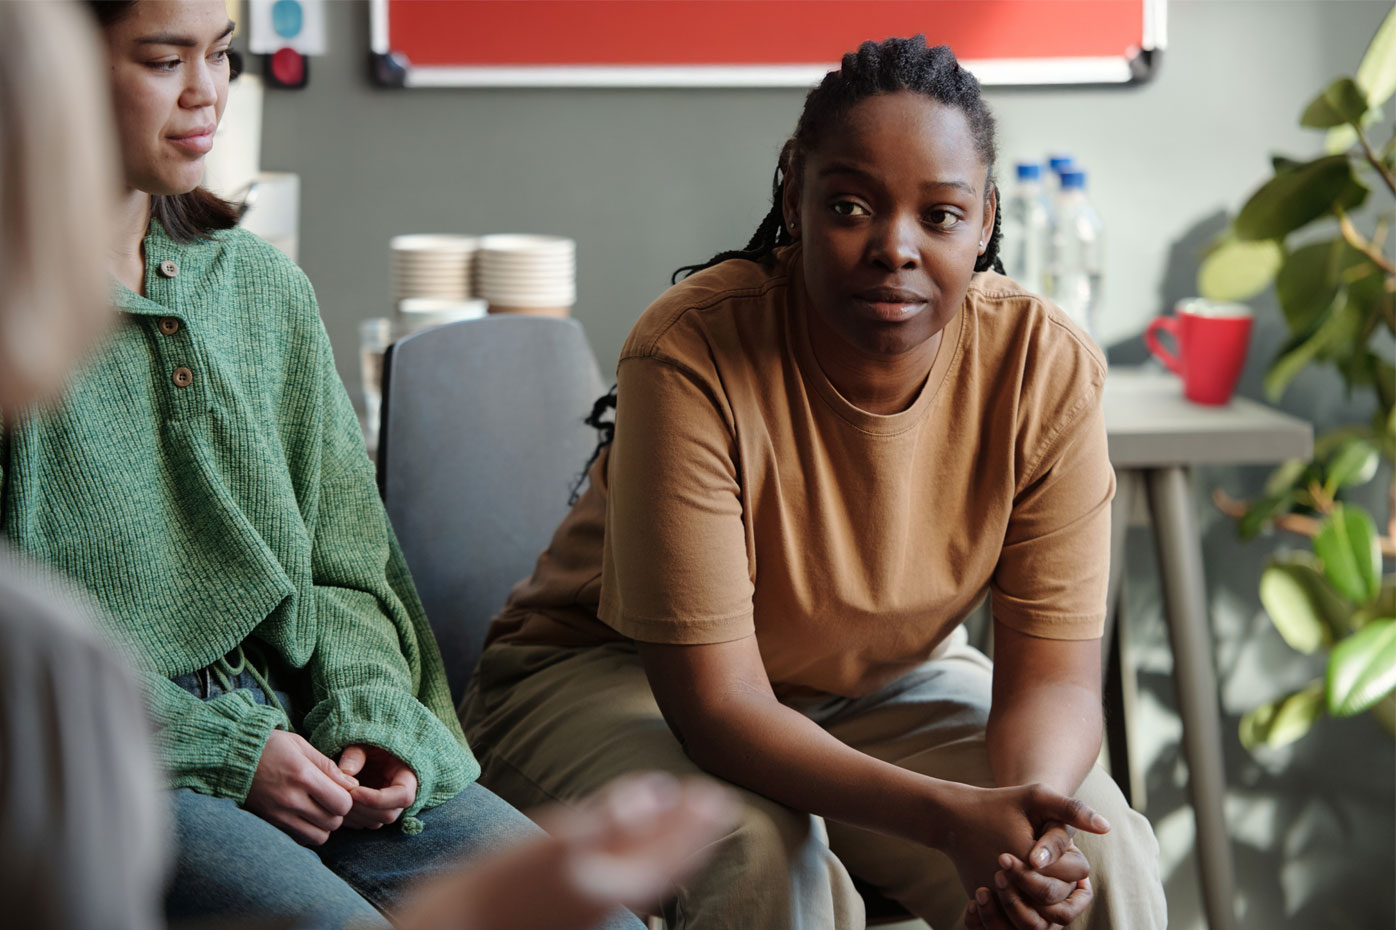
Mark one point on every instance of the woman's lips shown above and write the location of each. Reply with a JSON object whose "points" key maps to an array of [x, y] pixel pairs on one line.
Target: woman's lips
{"points": [[199, 143], [888, 305]]}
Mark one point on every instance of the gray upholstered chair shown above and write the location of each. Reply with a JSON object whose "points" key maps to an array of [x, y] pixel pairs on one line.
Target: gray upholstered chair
{"points": [[480, 443]]}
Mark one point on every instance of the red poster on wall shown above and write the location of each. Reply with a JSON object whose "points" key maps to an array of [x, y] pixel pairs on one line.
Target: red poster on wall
{"points": [[750, 43]]}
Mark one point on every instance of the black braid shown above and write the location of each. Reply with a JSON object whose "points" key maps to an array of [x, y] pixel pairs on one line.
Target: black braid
{"points": [[876, 68], [606, 431]]}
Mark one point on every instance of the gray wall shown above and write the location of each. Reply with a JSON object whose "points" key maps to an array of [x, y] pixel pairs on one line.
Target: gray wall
{"points": [[646, 180]]}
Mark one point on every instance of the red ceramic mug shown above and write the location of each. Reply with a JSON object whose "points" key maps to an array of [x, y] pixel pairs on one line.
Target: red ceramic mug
{"points": [[1211, 339]]}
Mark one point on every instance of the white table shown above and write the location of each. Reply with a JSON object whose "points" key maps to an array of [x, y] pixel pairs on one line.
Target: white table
{"points": [[1155, 437]]}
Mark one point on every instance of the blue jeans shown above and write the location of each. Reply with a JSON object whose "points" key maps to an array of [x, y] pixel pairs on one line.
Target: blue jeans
{"points": [[231, 863]]}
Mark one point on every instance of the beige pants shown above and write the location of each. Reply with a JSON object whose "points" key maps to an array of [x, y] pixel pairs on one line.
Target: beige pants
{"points": [[554, 724]]}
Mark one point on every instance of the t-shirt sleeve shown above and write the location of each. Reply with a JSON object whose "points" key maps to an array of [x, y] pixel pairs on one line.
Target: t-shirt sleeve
{"points": [[675, 564], [1052, 573]]}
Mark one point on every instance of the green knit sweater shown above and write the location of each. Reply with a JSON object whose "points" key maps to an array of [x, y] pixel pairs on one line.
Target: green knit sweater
{"points": [[205, 478]]}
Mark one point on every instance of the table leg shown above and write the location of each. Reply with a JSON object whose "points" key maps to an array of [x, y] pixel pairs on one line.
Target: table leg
{"points": [[1117, 677], [1126, 487], [1185, 605]]}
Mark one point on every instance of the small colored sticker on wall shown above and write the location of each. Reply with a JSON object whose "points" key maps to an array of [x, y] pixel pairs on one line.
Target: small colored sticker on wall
{"points": [[275, 25]]}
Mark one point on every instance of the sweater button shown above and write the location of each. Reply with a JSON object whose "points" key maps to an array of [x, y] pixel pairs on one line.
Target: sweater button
{"points": [[168, 268], [169, 325], [182, 377]]}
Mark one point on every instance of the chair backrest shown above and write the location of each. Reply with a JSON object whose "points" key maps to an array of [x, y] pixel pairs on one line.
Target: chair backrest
{"points": [[481, 440]]}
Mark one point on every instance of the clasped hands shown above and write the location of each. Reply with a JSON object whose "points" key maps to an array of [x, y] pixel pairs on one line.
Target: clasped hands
{"points": [[1048, 888], [306, 793]]}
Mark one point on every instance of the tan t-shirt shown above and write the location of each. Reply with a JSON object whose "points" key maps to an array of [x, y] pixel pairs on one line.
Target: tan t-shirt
{"points": [[744, 493]]}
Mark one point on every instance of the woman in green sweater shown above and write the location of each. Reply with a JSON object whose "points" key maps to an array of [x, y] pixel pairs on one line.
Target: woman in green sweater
{"points": [[205, 479]]}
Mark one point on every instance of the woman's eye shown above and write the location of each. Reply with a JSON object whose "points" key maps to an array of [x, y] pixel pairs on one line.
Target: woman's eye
{"points": [[165, 64], [219, 55], [848, 208], [942, 219]]}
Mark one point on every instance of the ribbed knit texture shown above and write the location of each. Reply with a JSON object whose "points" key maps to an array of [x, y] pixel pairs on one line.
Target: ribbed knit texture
{"points": [[241, 505]]}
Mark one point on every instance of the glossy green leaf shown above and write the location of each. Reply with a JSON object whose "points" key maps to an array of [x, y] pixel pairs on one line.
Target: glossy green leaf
{"points": [[1343, 331], [1260, 513], [1308, 281], [1355, 463], [1238, 269], [1341, 102], [1301, 605], [1340, 139], [1357, 369], [1283, 721], [1366, 285], [1376, 75], [1347, 545], [1288, 201], [1284, 478], [1362, 669], [1354, 193], [1283, 163], [1343, 138], [1302, 349]]}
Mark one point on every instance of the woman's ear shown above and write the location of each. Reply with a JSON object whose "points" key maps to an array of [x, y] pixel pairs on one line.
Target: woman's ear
{"points": [[789, 188], [790, 206], [991, 206]]}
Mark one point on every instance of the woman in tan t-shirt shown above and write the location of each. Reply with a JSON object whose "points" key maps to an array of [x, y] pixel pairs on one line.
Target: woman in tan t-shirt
{"points": [[828, 446]]}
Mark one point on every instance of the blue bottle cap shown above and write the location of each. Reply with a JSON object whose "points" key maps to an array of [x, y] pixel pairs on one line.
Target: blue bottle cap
{"points": [[1059, 162], [1029, 171], [1073, 179]]}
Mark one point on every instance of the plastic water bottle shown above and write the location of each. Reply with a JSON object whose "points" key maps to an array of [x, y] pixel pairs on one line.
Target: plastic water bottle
{"points": [[1075, 258], [1057, 163], [1027, 222]]}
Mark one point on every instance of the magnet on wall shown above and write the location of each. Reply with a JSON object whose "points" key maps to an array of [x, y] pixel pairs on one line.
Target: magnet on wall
{"points": [[286, 68]]}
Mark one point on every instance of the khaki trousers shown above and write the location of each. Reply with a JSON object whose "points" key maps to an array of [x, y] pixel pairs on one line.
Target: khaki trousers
{"points": [[553, 724]]}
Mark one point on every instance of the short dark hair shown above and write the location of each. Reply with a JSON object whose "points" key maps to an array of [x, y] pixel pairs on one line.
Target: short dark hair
{"points": [[192, 215], [876, 68]]}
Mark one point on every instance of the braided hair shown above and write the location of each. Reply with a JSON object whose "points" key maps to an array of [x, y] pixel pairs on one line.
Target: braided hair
{"points": [[885, 67]]}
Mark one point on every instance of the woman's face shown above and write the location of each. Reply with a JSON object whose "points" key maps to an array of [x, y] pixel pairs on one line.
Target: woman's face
{"points": [[169, 80], [890, 208]]}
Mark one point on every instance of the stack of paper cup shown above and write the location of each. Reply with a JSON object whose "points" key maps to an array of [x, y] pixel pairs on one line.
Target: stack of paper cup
{"points": [[433, 266], [527, 274]]}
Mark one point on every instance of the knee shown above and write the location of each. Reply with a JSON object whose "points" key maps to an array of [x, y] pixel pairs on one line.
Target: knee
{"points": [[1130, 832], [1124, 862], [764, 842]]}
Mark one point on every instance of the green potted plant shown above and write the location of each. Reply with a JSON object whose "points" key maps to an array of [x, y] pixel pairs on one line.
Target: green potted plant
{"points": [[1336, 286]]}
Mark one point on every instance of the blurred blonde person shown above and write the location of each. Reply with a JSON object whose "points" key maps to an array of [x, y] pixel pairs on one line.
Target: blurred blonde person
{"points": [[82, 830], [84, 833]]}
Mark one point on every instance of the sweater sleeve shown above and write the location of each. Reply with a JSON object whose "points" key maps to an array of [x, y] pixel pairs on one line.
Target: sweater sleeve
{"points": [[211, 746], [376, 673]]}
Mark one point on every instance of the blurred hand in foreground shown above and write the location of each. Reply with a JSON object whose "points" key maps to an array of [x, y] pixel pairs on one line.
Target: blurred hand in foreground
{"points": [[625, 846]]}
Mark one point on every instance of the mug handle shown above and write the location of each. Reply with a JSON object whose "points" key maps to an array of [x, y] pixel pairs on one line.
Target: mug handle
{"points": [[1169, 325]]}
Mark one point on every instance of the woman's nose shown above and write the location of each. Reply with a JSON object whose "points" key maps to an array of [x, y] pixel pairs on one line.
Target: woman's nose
{"points": [[893, 245], [200, 88]]}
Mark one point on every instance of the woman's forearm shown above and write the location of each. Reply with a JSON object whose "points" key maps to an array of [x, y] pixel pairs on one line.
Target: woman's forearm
{"points": [[762, 745], [1044, 720], [1047, 733]]}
